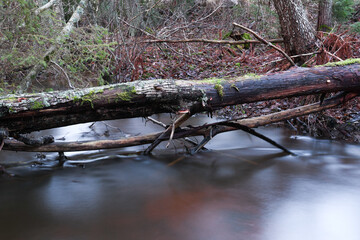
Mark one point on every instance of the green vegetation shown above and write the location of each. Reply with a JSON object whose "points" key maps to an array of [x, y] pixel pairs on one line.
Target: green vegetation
{"points": [[127, 94], [220, 89], [37, 105], [246, 36], [355, 27], [88, 97], [342, 63], [342, 9], [235, 87], [211, 80], [249, 75]]}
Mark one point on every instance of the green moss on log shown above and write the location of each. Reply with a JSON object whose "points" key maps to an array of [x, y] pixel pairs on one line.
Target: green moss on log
{"points": [[342, 63], [37, 105], [211, 80], [220, 89], [127, 94]]}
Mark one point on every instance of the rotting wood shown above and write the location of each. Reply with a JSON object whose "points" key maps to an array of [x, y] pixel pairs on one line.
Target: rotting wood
{"points": [[182, 132], [33, 112]]}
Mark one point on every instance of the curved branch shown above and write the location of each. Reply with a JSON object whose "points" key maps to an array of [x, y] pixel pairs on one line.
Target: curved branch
{"points": [[266, 42]]}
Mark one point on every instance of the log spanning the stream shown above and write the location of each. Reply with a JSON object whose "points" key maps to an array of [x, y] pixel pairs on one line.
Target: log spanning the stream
{"points": [[204, 130], [32, 112]]}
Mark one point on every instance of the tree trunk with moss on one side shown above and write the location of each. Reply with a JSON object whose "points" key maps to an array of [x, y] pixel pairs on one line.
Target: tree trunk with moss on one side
{"points": [[33, 112], [325, 15]]}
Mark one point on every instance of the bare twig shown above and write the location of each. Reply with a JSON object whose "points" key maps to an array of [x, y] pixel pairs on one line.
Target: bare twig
{"points": [[332, 55], [146, 11], [210, 41], [169, 130], [174, 30], [44, 7], [139, 29], [164, 126], [156, 122], [67, 77], [265, 42], [295, 56]]}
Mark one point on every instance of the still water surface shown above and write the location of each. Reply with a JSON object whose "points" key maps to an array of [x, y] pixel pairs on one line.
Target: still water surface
{"points": [[242, 189]]}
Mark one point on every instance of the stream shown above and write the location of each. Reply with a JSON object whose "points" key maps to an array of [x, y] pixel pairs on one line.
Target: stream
{"points": [[240, 188]]}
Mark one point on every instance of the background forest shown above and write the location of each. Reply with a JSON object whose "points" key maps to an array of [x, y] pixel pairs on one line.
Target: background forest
{"points": [[109, 40]]}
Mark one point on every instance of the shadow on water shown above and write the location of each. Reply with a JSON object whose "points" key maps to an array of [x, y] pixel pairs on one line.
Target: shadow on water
{"points": [[241, 189]]}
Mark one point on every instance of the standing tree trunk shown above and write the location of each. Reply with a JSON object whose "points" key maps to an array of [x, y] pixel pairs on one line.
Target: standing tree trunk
{"points": [[325, 15], [298, 34]]}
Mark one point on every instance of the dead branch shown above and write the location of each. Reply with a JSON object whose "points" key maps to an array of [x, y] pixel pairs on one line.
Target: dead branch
{"points": [[295, 56], [210, 41], [256, 134], [266, 42], [45, 6], [170, 130]]}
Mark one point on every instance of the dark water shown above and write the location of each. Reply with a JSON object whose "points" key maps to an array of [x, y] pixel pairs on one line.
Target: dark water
{"points": [[242, 189]]}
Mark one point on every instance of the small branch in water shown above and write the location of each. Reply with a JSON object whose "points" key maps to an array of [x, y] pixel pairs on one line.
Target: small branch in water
{"points": [[206, 139], [169, 130], [156, 122], [259, 135]]}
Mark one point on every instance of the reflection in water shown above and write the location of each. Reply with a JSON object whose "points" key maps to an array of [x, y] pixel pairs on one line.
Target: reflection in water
{"points": [[330, 215], [243, 189]]}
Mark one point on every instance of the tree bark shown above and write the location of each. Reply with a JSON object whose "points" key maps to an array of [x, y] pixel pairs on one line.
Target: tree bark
{"points": [[325, 15], [296, 30], [33, 112]]}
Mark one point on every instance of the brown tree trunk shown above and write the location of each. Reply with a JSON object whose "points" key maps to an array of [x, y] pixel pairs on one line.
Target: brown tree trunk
{"points": [[33, 112], [325, 15], [297, 32]]}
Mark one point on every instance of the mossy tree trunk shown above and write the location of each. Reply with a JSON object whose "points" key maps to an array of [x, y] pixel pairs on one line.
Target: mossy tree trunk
{"points": [[32, 112], [325, 15]]}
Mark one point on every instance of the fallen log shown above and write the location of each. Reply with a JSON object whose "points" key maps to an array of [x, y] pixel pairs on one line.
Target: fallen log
{"points": [[214, 128], [33, 112]]}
